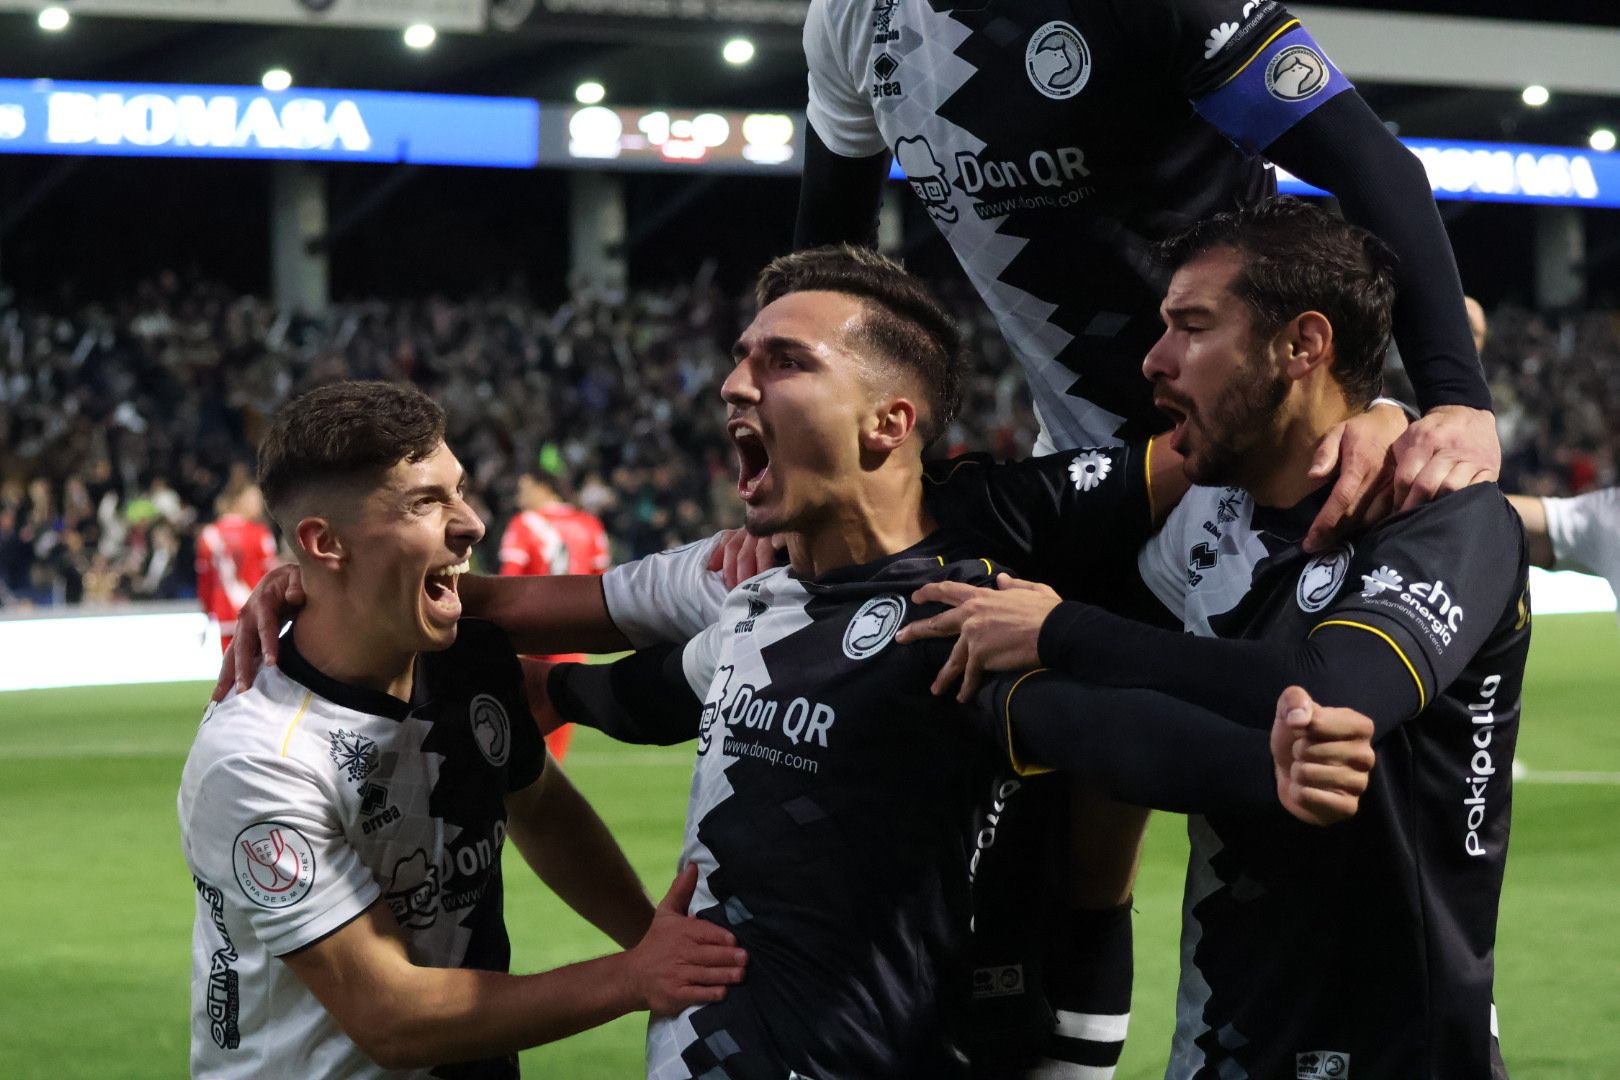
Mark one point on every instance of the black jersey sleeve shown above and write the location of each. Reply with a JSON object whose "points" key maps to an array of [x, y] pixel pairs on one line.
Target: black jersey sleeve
{"points": [[642, 698], [1337, 665], [839, 197], [1344, 148], [1139, 746], [500, 675], [1436, 583], [1074, 520]]}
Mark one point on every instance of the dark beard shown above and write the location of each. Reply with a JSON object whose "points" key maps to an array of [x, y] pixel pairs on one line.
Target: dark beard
{"points": [[1241, 424]]}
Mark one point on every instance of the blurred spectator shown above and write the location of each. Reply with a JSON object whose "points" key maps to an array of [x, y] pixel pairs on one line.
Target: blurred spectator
{"points": [[121, 423], [233, 552]]}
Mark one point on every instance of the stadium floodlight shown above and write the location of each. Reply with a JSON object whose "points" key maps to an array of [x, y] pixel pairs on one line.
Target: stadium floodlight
{"points": [[589, 93], [54, 19], [420, 35], [738, 51], [276, 79], [1535, 96], [1602, 140]]}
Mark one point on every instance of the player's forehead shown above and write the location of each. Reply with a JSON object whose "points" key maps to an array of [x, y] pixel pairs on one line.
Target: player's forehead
{"points": [[820, 321], [439, 470], [1204, 283]]}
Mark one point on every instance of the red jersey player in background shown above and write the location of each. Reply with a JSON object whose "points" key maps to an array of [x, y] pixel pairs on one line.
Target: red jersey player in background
{"points": [[549, 536], [233, 553]]}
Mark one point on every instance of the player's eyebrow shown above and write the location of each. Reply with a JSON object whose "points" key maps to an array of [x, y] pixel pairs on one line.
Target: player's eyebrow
{"points": [[436, 489], [774, 343], [1172, 312]]}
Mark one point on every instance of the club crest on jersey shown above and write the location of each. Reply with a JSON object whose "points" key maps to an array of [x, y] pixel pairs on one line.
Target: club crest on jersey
{"points": [[1296, 73], [1322, 579], [354, 754], [491, 730], [873, 626], [274, 864], [1058, 61]]}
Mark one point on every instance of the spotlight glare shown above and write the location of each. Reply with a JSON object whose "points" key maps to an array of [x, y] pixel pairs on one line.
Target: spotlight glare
{"points": [[738, 51], [1535, 96], [1602, 140], [589, 93], [276, 80], [420, 35], [54, 19]]}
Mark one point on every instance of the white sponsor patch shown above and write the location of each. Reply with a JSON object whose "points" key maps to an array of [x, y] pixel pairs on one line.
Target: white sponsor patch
{"points": [[1321, 1065], [1090, 469], [274, 863], [1058, 60]]}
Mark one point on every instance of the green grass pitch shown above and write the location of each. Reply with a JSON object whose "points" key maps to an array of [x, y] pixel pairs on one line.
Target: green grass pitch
{"points": [[94, 942]]}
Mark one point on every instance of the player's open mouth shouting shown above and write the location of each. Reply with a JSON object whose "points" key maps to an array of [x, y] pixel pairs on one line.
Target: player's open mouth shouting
{"points": [[753, 459], [439, 586]]}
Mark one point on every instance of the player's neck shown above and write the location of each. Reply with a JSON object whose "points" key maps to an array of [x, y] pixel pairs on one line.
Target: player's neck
{"points": [[1282, 478], [878, 522], [325, 636]]}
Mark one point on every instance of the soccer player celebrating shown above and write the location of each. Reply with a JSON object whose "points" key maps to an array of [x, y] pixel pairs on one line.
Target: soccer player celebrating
{"points": [[233, 553], [831, 815], [1054, 143], [549, 536], [344, 817], [1365, 950]]}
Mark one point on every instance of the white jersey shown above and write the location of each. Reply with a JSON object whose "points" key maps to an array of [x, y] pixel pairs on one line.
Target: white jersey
{"points": [[304, 801], [666, 598]]}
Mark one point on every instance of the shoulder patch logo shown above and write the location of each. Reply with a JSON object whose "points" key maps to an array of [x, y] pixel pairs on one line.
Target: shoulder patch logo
{"points": [[274, 864], [1380, 580], [1322, 1065], [1296, 73], [873, 626], [1090, 469], [1322, 578], [354, 754], [1058, 61], [491, 730]]}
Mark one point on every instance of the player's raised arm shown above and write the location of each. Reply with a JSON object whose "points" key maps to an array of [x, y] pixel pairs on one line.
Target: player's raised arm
{"points": [[845, 158], [1266, 84]]}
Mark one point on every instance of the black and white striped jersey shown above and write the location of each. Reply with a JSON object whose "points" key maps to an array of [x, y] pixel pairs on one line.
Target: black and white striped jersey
{"points": [[305, 800], [1364, 950], [1053, 142]]}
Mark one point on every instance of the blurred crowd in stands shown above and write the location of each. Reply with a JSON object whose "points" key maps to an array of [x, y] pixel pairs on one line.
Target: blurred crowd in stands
{"points": [[122, 425]]}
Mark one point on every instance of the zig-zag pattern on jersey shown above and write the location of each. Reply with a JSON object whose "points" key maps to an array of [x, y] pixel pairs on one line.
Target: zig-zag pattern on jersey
{"points": [[669, 1038], [935, 72]]}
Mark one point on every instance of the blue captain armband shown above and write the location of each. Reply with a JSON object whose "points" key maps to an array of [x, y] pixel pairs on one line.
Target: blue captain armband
{"points": [[1283, 82]]}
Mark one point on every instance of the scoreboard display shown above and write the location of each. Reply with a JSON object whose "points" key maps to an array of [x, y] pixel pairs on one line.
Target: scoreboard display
{"points": [[616, 137]]}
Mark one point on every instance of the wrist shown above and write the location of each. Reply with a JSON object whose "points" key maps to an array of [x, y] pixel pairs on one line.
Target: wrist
{"points": [[1063, 626]]}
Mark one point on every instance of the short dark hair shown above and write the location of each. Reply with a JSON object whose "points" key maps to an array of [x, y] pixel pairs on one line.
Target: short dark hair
{"points": [[904, 321], [1297, 257], [345, 432]]}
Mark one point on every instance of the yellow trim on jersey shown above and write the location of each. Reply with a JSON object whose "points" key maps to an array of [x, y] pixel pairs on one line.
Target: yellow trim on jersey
{"points": [[1147, 470], [1283, 29], [287, 738], [1423, 697], [927, 479], [1012, 755], [989, 569], [941, 559]]}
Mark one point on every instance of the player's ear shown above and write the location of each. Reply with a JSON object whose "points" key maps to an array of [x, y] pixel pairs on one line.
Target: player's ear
{"points": [[320, 543], [1307, 344], [891, 422]]}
